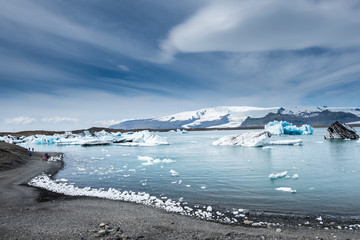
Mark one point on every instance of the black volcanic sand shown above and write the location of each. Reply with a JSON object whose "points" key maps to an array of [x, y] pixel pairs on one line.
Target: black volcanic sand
{"points": [[31, 213]]}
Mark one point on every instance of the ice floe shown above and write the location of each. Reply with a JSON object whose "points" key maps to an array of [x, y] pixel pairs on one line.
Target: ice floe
{"points": [[283, 174], [282, 127], [295, 142], [152, 161], [174, 173], [285, 189], [278, 175]]}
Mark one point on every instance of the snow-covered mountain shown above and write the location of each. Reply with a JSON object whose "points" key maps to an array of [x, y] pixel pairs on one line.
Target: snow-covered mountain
{"points": [[242, 116]]}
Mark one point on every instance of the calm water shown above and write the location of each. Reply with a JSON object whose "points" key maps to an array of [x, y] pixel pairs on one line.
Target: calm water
{"points": [[226, 177]]}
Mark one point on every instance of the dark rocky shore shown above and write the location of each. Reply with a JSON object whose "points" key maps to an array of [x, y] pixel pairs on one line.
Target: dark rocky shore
{"points": [[32, 213]]}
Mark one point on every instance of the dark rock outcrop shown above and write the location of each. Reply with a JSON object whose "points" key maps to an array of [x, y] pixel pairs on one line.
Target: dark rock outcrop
{"points": [[340, 130], [324, 118]]}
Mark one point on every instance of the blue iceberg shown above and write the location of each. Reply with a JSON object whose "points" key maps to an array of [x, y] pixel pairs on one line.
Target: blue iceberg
{"points": [[282, 127]]}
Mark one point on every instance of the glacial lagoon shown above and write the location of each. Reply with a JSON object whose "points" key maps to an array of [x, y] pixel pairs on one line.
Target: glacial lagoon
{"points": [[322, 175]]}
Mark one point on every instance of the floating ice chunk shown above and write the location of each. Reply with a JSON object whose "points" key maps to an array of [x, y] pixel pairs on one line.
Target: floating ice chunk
{"points": [[282, 127], [143, 138], [267, 147], [188, 185], [145, 158], [249, 139], [295, 142], [285, 189], [203, 187], [209, 209], [319, 219], [295, 176], [278, 175], [168, 160], [174, 173]]}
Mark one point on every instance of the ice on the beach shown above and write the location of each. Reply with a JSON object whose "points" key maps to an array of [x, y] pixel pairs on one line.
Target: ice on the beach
{"points": [[283, 127], [278, 175], [249, 139], [285, 189]]}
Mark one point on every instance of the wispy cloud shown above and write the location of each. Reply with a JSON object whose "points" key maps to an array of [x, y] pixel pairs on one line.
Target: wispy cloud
{"points": [[21, 120], [59, 120], [123, 68], [266, 25], [105, 123]]}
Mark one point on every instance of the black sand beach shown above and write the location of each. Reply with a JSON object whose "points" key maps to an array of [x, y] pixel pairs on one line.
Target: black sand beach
{"points": [[30, 213]]}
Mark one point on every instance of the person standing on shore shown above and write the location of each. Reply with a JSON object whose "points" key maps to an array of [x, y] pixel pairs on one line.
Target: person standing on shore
{"points": [[46, 156]]}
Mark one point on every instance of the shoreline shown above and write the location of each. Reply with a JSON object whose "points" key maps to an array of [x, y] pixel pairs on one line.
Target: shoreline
{"points": [[33, 213], [98, 129]]}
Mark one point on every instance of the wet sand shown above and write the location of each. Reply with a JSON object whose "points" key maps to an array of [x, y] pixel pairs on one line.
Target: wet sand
{"points": [[31, 213]]}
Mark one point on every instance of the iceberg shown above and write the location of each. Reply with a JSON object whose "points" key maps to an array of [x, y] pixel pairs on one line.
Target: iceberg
{"points": [[278, 175], [86, 138], [283, 127], [143, 138], [249, 139]]}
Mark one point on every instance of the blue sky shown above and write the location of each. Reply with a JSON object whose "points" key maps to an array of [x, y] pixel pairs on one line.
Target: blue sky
{"points": [[82, 63]]}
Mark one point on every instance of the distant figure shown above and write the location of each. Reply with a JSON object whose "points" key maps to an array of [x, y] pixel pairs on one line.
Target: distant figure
{"points": [[46, 156], [32, 149], [29, 152]]}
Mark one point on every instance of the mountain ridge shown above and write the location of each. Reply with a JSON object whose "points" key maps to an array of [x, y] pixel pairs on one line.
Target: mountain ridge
{"points": [[244, 116]]}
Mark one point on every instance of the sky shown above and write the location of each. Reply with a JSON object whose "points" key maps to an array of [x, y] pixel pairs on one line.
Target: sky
{"points": [[67, 65]]}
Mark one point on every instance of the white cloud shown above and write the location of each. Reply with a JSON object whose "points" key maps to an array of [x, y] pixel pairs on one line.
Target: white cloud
{"points": [[59, 120], [106, 123], [19, 120], [265, 25], [124, 68]]}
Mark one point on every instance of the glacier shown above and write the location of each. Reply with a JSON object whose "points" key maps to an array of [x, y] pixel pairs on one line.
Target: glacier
{"points": [[283, 127]]}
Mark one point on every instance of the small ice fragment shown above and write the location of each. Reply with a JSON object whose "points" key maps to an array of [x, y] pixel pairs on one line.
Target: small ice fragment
{"points": [[319, 218], [203, 187], [285, 189], [209, 209], [188, 185], [278, 175], [145, 158], [174, 173], [295, 176], [108, 155]]}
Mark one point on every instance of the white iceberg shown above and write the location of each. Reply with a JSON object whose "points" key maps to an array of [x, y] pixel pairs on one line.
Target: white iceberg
{"points": [[249, 139], [143, 138], [285, 189], [278, 175], [283, 127]]}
